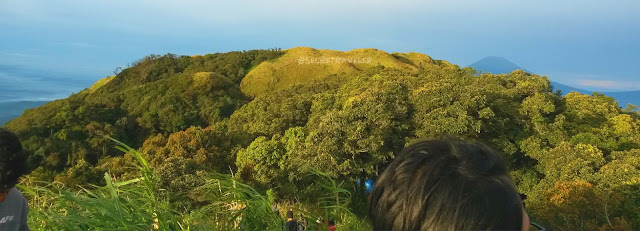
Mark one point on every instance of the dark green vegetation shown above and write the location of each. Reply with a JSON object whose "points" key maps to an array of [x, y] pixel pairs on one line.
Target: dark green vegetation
{"points": [[10, 110], [141, 204], [577, 157]]}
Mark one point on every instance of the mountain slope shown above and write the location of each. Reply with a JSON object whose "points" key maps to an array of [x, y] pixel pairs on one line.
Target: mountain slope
{"points": [[566, 89], [500, 65], [304, 64], [10, 110], [190, 119], [495, 65], [158, 95]]}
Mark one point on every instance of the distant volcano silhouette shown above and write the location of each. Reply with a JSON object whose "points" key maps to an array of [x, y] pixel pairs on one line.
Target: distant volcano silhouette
{"points": [[495, 65]]}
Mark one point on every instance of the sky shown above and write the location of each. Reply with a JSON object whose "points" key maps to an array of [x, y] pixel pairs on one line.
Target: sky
{"points": [[583, 43]]}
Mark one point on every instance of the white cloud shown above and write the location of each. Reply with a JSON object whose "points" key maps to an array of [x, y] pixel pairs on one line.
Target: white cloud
{"points": [[595, 82], [608, 85]]}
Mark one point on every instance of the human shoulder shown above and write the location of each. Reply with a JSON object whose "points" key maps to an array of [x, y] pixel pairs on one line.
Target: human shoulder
{"points": [[15, 195]]}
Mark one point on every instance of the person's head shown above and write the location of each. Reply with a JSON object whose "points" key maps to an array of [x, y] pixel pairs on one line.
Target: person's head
{"points": [[12, 160], [289, 214], [332, 222], [446, 184]]}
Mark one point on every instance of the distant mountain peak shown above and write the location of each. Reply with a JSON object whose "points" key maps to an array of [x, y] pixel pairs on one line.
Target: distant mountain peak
{"points": [[492, 57], [495, 65]]}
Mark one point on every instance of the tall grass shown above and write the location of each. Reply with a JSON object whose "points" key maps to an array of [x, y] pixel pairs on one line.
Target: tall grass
{"points": [[128, 205], [233, 205], [140, 204], [335, 201]]}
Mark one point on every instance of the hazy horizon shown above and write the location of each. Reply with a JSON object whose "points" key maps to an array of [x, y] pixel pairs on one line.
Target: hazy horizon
{"points": [[585, 44]]}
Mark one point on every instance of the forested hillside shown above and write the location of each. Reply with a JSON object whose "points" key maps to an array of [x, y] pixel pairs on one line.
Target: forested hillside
{"points": [[268, 117], [10, 110]]}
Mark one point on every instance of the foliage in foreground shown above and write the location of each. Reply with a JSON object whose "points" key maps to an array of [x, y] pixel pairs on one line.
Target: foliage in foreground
{"points": [[140, 204], [575, 157]]}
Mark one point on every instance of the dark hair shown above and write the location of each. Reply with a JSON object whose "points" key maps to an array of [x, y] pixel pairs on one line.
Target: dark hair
{"points": [[290, 214], [446, 184], [13, 162], [332, 222]]}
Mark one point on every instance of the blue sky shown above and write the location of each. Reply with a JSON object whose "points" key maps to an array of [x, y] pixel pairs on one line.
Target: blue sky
{"points": [[583, 43]]}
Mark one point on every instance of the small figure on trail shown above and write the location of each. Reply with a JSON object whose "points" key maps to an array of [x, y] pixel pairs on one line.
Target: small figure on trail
{"points": [[332, 225], [292, 224]]}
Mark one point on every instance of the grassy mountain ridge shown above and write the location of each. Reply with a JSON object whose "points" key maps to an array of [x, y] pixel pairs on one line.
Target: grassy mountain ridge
{"points": [[99, 84], [160, 94], [304, 64], [266, 117]]}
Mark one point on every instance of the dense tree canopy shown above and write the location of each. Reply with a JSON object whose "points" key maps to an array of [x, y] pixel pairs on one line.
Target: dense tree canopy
{"points": [[576, 158]]}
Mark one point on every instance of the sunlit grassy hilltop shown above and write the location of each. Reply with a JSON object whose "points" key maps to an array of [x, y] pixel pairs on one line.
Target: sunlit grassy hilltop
{"points": [[268, 117], [305, 64]]}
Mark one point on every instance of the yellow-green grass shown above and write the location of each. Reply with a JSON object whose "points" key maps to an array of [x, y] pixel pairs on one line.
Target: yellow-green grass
{"points": [[304, 64], [99, 84]]}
